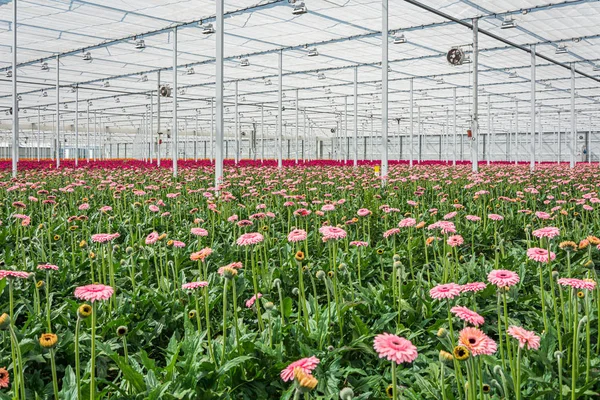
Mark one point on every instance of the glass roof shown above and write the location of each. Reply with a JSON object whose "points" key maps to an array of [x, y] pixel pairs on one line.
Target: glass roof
{"points": [[346, 34]]}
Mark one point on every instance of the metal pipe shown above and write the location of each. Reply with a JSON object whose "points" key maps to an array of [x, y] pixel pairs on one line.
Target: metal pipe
{"points": [[532, 149], [158, 128], [454, 126], [237, 126], [297, 128], [219, 94], [475, 117], [15, 100], [175, 127], [384, 90], [76, 126], [355, 116], [280, 109], [57, 112], [412, 127]]}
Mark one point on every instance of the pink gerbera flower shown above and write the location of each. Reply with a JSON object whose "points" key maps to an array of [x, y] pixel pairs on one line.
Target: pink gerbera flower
{"points": [[178, 244], [13, 274], [391, 232], [548, 232], [467, 315], [525, 337], [250, 302], [455, 240], [363, 212], [332, 232], [503, 278], [358, 243], [307, 365], [407, 222], [47, 267], [152, 238], [577, 283], [194, 285], [199, 232], [296, 235], [251, 238], [476, 341], [495, 217], [473, 287], [94, 292], [395, 348], [540, 255], [473, 218], [104, 237], [445, 291]]}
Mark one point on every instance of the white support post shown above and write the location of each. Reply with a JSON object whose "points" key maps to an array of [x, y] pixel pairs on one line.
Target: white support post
{"points": [[280, 109], [297, 127], [76, 126], [15, 101], [384, 90], [237, 126], [516, 132], [532, 148], [175, 125], [589, 147], [262, 133], [219, 94], [355, 116], [87, 152], [412, 125], [475, 116], [57, 112], [39, 138], [454, 126], [573, 118], [158, 127], [558, 156], [488, 142]]}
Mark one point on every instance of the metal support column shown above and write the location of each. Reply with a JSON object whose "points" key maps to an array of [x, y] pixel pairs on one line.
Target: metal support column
{"points": [[76, 126], [237, 125], [532, 149], [175, 126], [15, 101], [158, 127], [355, 116], [219, 95], [412, 125], [475, 116], [279, 110], [297, 127], [384, 89], [454, 126], [57, 112]]}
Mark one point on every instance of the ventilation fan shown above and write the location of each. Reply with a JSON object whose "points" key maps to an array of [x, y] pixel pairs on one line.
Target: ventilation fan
{"points": [[165, 91], [456, 56]]}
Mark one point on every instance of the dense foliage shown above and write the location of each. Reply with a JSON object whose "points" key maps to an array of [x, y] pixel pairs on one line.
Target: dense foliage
{"points": [[326, 295]]}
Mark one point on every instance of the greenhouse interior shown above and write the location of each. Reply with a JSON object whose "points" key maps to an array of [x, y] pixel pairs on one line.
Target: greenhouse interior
{"points": [[300, 199]]}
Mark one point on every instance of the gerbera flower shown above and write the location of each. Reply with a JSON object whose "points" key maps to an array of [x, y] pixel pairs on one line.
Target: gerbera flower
{"points": [[577, 283], [296, 235], [94, 292], [250, 302], [455, 240], [473, 287], [4, 378], [467, 315], [395, 348], [476, 341], [332, 232], [104, 237], [503, 278], [540, 255], [524, 337], [152, 238], [548, 232], [47, 267], [251, 238], [199, 232], [307, 365], [445, 291], [201, 255], [194, 285], [407, 222]]}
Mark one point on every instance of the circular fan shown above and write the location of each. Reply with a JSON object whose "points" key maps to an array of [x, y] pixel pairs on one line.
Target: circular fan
{"points": [[455, 56]]}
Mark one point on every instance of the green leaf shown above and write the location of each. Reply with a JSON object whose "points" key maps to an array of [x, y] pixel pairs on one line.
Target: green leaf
{"points": [[233, 363]]}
